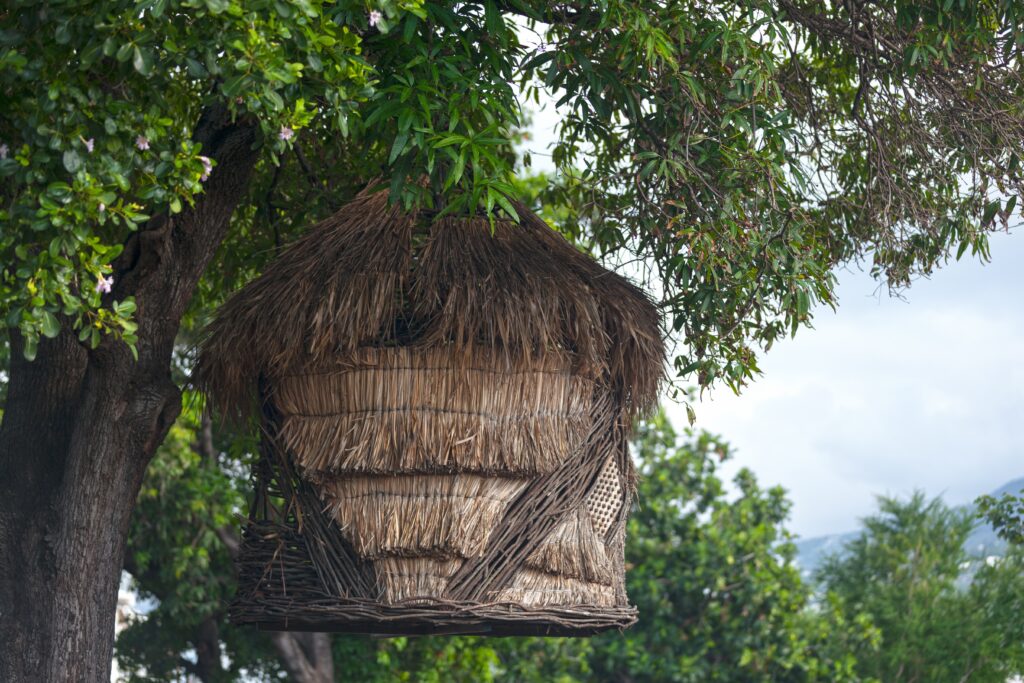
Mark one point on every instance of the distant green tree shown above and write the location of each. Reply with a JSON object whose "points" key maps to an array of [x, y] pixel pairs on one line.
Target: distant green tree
{"points": [[712, 575], [1006, 515], [905, 571]]}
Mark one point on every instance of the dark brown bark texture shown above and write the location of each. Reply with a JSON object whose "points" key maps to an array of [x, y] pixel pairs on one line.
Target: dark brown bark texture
{"points": [[79, 428]]}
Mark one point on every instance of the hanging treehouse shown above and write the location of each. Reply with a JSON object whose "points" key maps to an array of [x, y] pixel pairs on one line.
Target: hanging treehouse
{"points": [[444, 416]]}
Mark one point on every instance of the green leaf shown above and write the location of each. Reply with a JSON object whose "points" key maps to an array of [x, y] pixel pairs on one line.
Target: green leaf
{"points": [[143, 60], [505, 204], [990, 212], [31, 345], [235, 85], [217, 6], [72, 162], [1010, 204], [51, 327], [398, 146]]}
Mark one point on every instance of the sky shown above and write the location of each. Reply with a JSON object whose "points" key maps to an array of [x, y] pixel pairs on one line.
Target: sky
{"points": [[884, 396]]}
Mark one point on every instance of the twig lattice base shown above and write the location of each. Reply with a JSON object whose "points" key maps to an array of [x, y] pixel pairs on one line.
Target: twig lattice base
{"points": [[284, 593]]}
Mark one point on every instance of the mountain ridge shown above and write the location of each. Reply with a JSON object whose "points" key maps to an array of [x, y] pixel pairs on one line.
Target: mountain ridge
{"points": [[982, 541]]}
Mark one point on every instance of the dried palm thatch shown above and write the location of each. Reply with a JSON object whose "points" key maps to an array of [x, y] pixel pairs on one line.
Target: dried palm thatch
{"points": [[408, 579], [401, 410], [420, 515], [371, 276], [444, 415], [574, 550], [532, 588]]}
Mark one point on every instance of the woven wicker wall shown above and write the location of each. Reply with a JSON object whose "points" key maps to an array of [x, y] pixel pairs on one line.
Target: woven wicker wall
{"points": [[417, 457]]}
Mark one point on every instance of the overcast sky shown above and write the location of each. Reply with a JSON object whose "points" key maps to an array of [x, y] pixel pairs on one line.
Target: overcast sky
{"points": [[885, 395]]}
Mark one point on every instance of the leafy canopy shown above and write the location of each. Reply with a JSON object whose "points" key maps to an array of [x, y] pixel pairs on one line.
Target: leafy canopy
{"points": [[740, 149], [1006, 515]]}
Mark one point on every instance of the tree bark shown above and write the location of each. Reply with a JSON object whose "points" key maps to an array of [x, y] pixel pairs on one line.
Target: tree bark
{"points": [[79, 428], [207, 645], [306, 656]]}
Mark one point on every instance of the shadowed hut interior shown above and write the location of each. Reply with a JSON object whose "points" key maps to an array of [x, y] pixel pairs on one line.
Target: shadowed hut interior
{"points": [[444, 408]]}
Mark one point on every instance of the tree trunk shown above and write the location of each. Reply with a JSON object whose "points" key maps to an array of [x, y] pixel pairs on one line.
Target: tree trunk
{"points": [[79, 428], [306, 656], [207, 645]]}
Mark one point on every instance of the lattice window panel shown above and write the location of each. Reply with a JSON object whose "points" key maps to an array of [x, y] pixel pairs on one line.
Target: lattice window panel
{"points": [[605, 499]]}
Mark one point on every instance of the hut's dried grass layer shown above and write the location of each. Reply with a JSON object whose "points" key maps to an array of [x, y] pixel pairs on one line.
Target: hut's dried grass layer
{"points": [[448, 515], [413, 578], [371, 276], [400, 410], [532, 588], [445, 413], [575, 550]]}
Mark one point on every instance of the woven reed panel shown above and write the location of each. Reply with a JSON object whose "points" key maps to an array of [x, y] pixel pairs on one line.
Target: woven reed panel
{"points": [[532, 588], [448, 515], [396, 410]]}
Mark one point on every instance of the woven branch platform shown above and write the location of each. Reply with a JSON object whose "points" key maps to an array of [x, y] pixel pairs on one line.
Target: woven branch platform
{"points": [[287, 595]]}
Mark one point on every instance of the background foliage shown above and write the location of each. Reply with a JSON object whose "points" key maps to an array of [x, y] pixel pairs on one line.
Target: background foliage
{"points": [[943, 615], [710, 568]]}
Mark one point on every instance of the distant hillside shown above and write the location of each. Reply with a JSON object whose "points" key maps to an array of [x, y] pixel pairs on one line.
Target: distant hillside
{"points": [[981, 543]]}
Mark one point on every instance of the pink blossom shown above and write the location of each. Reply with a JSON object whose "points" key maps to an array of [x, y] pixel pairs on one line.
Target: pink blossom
{"points": [[103, 284], [142, 142], [375, 17], [286, 133], [89, 144], [4, 149], [207, 167]]}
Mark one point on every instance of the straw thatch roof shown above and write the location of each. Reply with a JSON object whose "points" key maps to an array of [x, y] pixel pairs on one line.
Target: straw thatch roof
{"points": [[519, 299]]}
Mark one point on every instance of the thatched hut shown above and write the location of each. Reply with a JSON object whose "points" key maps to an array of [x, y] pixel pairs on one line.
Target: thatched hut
{"points": [[444, 406]]}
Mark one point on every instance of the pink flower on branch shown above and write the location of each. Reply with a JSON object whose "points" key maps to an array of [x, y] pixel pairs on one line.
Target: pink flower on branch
{"points": [[207, 167], [142, 142], [103, 284], [286, 133], [375, 17]]}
